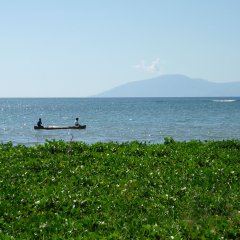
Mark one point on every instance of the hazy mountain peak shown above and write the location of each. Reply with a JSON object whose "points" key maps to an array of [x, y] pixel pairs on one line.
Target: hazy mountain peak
{"points": [[173, 86]]}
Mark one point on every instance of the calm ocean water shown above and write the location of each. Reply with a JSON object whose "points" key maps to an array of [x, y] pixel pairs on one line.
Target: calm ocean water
{"points": [[120, 119]]}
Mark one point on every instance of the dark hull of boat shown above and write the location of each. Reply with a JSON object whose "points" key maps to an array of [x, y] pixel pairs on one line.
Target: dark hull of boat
{"points": [[59, 127]]}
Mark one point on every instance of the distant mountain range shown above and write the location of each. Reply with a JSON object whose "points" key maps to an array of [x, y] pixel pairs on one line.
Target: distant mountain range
{"points": [[174, 86]]}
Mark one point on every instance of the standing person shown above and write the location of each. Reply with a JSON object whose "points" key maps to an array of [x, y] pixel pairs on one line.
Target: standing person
{"points": [[77, 123], [39, 123]]}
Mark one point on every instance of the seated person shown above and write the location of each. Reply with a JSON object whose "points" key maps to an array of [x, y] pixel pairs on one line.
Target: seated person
{"points": [[39, 123], [76, 123]]}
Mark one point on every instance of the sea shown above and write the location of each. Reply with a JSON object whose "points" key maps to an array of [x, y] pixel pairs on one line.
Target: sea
{"points": [[149, 120]]}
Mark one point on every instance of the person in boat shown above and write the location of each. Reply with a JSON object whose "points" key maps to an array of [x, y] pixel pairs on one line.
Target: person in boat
{"points": [[76, 123], [39, 123]]}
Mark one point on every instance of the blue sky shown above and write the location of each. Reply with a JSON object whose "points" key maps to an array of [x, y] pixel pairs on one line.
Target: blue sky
{"points": [[78, 48]]}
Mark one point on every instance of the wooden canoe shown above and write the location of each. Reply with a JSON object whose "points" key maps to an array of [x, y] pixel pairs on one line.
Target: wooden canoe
{"points": [[59, 127]]}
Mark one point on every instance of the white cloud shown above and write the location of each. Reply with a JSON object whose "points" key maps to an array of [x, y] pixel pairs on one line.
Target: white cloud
{"points": [[152, 67]]}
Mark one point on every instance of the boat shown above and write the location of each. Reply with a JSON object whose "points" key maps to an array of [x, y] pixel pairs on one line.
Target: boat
{"points": [[59, 127]]}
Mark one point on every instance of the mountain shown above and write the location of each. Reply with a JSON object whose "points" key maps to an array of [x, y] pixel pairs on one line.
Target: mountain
{"points": [[174, 86]]}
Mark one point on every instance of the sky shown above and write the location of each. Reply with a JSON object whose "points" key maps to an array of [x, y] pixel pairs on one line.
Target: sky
{"points": [[79, 48]]}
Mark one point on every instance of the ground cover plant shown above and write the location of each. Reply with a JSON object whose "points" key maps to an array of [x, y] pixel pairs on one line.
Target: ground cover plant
{"points": [[133, 190]]}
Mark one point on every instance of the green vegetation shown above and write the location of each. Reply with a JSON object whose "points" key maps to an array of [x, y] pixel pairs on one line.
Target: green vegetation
{"points": [[175, 190]]}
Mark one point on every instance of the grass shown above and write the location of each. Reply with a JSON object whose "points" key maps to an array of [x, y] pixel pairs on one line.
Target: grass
{"points": [[133, 190]]}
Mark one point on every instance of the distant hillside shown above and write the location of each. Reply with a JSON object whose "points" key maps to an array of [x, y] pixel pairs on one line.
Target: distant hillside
{"points": [[174, 86]]}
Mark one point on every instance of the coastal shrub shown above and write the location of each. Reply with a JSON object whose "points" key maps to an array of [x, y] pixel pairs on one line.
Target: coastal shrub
{"points": [[131, 190]]}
